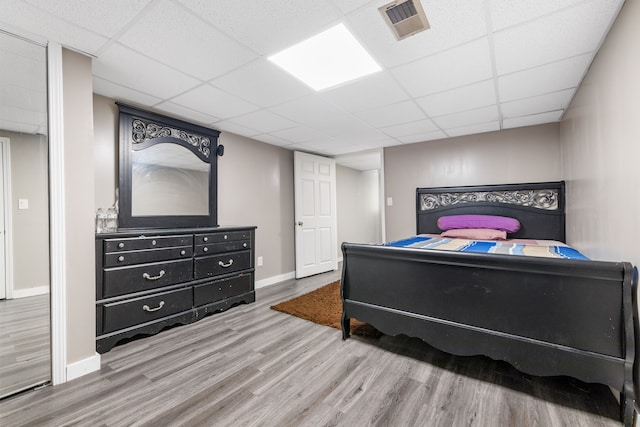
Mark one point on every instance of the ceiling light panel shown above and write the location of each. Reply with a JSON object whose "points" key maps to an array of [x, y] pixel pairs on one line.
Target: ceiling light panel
{"points": [[328, 59], [460, 66]]}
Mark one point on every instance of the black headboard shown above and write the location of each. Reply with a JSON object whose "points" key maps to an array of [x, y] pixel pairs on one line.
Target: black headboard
{"points": [[540, 207]]}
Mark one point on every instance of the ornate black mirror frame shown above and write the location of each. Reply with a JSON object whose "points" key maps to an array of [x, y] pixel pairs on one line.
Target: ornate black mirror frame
{"points": [[142, 129]]}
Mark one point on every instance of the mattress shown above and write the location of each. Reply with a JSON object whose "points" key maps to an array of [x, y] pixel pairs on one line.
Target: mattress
{"points": [[520, 247]]}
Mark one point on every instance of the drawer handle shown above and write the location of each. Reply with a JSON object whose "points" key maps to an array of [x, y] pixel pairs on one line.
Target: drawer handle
{"points": [[121, 245], [149, 309], [244, 245], [206, 239], [223, 265], [120, 258], [149, 277], [205, 249]]}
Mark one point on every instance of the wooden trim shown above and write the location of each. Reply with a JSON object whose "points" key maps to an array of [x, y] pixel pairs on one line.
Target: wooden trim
{"points": [[57, 215]]}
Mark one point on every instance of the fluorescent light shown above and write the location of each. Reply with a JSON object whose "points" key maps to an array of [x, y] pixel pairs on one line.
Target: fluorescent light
{"points": [[327, 59]]}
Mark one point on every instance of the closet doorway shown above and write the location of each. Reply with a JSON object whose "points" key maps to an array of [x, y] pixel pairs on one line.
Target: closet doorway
{"points": [[25, 332]]}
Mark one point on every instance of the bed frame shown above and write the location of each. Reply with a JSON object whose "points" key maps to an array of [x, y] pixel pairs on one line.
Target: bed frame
{"points": [[544, 316]]}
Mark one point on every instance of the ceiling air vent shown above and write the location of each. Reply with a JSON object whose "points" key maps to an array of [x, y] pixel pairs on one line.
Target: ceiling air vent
{"points": [[405, 17]]}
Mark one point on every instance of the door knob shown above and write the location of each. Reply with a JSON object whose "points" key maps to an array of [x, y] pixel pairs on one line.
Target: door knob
{"points": [[300, 223]]}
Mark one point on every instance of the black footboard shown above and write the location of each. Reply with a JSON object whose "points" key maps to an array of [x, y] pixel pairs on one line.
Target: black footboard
{"points": [[543, 316]]}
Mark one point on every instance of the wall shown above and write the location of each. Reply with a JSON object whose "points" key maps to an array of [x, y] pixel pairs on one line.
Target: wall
{"points": [[79, 205], [358, 206], [527, 154], [29, 180], [255, 187], [600, 140]]}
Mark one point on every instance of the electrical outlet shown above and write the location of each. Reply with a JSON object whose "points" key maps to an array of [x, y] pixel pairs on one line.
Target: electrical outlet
{"points": [[23, 203], [259, 261], [389, 201]]}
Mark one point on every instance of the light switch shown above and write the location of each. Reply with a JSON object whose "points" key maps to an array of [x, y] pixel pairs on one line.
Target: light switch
{"points": [[389, 201], [23, 203]]}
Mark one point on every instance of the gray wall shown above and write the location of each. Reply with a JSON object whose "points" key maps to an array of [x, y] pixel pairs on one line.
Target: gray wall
{"points": [[358, 206], [255, 187], [516, 155], [600, 138], [29, 180], [79, 205]]}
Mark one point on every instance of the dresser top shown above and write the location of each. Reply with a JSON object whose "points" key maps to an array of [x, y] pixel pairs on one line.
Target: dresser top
{"points": [[167, 231]]}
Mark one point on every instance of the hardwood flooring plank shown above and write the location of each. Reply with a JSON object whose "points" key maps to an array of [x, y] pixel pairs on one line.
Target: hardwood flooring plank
{"points": [[252, 366]]}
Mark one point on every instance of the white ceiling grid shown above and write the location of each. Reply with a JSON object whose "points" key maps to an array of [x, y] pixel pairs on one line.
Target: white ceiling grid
{"points": [[484, 65]]}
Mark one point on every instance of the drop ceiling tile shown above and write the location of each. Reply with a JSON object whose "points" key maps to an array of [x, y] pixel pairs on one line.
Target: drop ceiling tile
{"points": [[22, 15], [262, 83], [228, 126], [272, 139], [339, 125], [23, 98], [103, 17], [347, 6], [545, 79], [473, 129], [195, 47], [553, 37], [456, 120], [460, 66], [402, 112], [412, 128], [370, 92], [453, 22], [422, 137], [115, 91], [270, 26], [21, 127], [507, 13], [24, 72], [460, 99], [538, 104], [300, 134], [214, 102], [308, 110], [184, 113], [131, 69], [534, 119], [10, 45], [263, 121]]}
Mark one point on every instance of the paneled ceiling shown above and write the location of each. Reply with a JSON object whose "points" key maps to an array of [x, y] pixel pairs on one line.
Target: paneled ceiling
{"points": [[484, 65]]}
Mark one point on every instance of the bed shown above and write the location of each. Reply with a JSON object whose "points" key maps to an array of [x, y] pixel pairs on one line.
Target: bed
{"points": [[545, 316]]}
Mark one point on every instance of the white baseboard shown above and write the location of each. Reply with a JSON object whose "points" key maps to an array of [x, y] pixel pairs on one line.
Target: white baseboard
{"points": [[275, 279], [83, 367], [30, 292]]}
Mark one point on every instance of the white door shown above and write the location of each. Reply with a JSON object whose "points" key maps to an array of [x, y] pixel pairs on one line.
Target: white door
{"points": [[315, 214]]}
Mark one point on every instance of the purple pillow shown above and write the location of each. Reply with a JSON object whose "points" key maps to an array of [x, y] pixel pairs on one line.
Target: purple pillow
{"points": [[510, 225]]}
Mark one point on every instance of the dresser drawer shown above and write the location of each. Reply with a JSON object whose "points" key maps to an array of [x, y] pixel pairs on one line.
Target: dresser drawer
{"points": [[123, 314], [201, 239], [127, 280], [138, 257], [221, 264], [221, 289], [140, 243], [216, 248]]}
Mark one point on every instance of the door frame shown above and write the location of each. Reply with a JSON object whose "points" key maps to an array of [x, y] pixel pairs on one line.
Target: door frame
{"points": [[5, 146]]}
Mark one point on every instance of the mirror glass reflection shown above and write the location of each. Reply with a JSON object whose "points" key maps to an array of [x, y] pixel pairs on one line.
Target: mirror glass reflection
{"points": [[24, 217], [168, 179]]}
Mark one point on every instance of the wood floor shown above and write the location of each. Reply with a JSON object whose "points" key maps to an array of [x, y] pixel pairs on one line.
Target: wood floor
{"points": [[252, 366], [24, 343]]}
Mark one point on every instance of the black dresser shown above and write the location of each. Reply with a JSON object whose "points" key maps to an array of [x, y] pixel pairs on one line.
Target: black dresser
{"points": [[147, 280]]}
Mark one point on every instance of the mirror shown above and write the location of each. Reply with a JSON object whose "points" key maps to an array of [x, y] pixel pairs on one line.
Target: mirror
{"points": [[168, 172], [25, 351]]}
